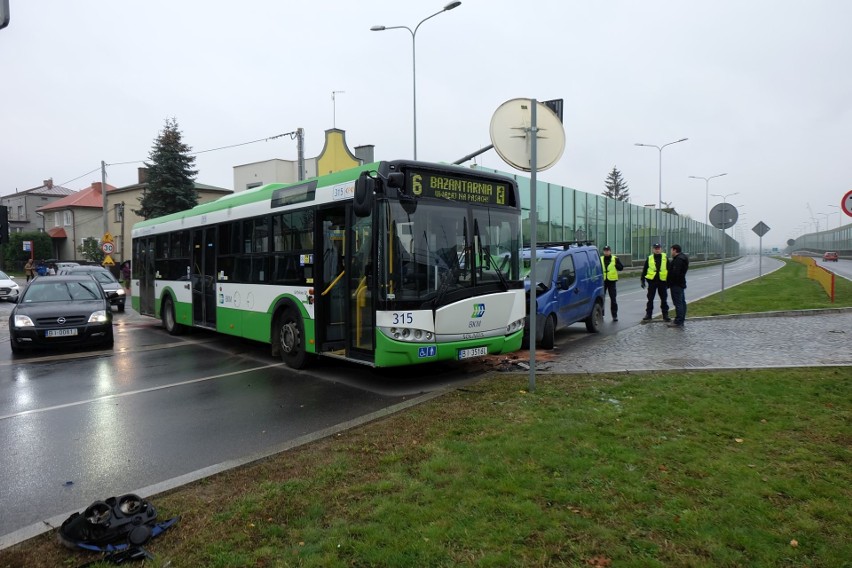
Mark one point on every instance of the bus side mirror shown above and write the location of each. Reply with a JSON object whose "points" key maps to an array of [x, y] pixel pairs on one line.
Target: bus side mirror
{"points": [[396, 180], [365, 187]]}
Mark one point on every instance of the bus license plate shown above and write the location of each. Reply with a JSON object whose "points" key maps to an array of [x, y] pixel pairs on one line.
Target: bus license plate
{"points": [[62, 332], [473, 352]]}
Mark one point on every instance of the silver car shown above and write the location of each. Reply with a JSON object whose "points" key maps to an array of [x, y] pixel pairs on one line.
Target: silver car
{"points": [[9, 289]]}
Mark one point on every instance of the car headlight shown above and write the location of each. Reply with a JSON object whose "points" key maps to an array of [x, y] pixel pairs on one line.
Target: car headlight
{"points": [[23, 321], [120, 292], [99, 316]]}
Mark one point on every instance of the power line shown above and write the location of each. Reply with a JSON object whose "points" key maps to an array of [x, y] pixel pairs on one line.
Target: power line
{"points": [[78, 177], [292, 136]]}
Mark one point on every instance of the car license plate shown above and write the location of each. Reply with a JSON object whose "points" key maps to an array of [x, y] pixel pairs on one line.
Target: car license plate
{"points": [[473, 352], [69, 332]]}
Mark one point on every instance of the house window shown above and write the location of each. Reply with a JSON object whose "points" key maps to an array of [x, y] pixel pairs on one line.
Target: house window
{"points": [[67, 218], [119, 212], [57, 219], [20, 211]]}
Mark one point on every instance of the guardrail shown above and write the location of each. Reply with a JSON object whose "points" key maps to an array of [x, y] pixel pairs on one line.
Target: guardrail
{"points": [[815, 272]]}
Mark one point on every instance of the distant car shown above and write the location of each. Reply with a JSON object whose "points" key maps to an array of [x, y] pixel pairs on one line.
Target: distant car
{"points": [[60, 266], [9, 289], [113, 288], [56, 311], [830, 255]]}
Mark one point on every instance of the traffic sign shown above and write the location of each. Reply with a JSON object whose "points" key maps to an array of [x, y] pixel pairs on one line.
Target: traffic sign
{"points": [[107, 247], [846, 204], [108, 261], [724, 216], [760, 229], [107, 238], [28, 246]]}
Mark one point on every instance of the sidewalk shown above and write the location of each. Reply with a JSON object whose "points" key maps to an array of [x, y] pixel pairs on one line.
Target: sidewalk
{"points": [[808, 338]]}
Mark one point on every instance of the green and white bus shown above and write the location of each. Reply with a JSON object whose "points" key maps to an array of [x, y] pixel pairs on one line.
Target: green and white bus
{"points": [[388, 264]]}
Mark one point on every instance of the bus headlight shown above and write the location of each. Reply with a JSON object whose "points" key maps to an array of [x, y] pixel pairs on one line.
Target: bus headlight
{"points": [[410, 334]]}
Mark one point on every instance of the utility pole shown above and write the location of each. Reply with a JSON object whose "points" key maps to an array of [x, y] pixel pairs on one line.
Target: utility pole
{"points": [[300, 150], [104, 196]]}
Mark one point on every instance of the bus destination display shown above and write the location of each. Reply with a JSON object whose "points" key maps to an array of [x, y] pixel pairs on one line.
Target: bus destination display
{"points": [[457, 188]]}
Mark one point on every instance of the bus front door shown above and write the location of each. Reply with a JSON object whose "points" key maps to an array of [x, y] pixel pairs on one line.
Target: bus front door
{"points": [[203, 277], [333, 286], [143, 269]]}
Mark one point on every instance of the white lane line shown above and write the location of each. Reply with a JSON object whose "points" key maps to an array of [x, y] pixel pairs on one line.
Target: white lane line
{"points": [[134, 392], [67, 356]]}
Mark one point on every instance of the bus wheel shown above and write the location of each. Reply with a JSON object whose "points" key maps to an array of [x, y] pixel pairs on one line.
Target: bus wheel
{"points": [[291, 339], [169, 320]]}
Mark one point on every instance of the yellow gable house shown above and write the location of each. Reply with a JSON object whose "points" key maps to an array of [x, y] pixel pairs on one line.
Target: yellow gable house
{"points": [[334, 157]]}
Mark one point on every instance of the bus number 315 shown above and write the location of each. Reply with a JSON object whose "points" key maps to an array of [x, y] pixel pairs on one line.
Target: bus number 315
{"points": [[403, 318]]}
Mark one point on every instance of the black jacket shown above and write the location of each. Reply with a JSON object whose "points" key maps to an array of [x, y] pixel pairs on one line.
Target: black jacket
{"points": [[677, 270]]}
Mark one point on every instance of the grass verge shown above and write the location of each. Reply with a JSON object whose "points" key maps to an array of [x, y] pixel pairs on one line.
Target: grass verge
{"points": [[739, 468], [785, 289]]}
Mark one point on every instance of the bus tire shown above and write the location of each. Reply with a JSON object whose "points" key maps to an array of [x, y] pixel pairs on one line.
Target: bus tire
{"points": [[548, 338], [291, 339], [170, 323]]}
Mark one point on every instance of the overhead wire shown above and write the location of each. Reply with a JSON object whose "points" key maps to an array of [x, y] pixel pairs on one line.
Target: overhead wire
{"points": [[292, 136]]}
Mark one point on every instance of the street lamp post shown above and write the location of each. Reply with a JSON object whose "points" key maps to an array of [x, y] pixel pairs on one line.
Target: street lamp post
{"points": [[413, 33], [826, 228], [660, 191], [724, 221], [707, 210]]}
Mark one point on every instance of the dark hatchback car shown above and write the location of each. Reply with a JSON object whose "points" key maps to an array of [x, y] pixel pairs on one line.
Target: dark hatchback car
{"points": [[113, 288], [56, 311]]}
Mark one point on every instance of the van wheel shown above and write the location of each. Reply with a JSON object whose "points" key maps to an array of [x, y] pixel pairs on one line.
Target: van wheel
{"points": [[595, 319], [169, 320], [291, 339], [547, 339]]}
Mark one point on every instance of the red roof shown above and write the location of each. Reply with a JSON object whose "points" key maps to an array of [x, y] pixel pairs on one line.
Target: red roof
{"points": [[89, 197], [57, 233]]}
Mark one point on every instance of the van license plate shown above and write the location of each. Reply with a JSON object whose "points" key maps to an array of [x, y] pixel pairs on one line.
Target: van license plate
{"points": [[62, 332], [473, 352]]}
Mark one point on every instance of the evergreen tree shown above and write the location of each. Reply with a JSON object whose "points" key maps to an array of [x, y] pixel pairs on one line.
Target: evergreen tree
{"points": [[171, 176], [616, 187]]}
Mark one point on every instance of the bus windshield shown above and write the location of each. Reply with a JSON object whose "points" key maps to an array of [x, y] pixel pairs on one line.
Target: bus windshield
{"points": [[440, 249]]}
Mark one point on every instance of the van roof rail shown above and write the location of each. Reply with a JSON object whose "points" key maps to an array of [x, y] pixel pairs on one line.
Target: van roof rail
{"points": [[565, 245]]}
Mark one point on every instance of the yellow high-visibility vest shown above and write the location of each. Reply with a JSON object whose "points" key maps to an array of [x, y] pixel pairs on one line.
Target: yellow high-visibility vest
{"points": [[652, 268], [610, 273]]}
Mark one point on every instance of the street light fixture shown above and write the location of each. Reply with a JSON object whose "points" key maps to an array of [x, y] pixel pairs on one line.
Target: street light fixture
{"points": [[707, 209], [413, 33], [839, 214], [724, 234], [660, 191]]}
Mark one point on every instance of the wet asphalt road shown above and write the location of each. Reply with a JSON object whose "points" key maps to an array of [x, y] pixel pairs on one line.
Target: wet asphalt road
{"points": [[81, 426], [158, 411]]}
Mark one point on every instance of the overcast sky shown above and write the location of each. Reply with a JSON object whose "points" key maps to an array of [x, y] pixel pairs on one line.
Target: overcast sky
{"points": [[762, 89]]}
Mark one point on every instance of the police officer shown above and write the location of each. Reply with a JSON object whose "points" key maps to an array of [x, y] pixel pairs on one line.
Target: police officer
{"points": [[611, 267], [654, 273]]}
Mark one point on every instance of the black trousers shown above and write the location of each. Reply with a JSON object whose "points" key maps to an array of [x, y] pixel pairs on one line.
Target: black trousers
{"points": [[657, 288], [610, 288]]}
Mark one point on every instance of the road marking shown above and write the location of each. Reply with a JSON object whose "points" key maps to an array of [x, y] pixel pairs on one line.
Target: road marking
{"points": [[114, 351], [134, 392]]}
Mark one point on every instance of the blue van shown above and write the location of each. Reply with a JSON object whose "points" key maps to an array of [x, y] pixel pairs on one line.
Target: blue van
{"points": [[570, 288]]}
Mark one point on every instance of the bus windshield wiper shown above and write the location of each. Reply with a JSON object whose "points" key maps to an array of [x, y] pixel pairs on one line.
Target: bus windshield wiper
{"points": [[445, 285], [496, 269]]}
